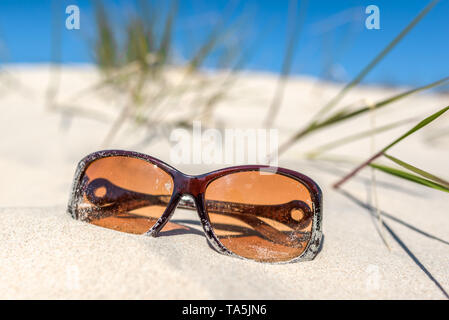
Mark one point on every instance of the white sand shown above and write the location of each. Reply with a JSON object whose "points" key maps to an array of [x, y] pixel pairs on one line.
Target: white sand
{"points": [[46, 254]]}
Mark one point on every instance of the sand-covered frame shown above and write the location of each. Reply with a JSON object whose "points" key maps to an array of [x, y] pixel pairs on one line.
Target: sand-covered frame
{"points": [[195, 187]]}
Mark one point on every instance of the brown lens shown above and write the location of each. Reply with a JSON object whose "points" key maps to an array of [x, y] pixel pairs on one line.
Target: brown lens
{"points": [[260, 215], [124, 194]]}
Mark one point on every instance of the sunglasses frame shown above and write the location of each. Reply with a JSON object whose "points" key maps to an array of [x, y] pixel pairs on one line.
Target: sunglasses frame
{"points": [[195, 186]]}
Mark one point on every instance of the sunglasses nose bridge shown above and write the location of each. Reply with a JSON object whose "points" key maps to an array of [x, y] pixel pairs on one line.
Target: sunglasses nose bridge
{"points": [[186, 187], [191, 185]]}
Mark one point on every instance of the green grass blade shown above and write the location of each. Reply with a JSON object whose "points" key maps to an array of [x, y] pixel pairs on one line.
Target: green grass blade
{"points": [[148, 15], [233, 75], [295, 22], [409, 176], [421, 172], [376, 60], [357, 136], [166, 40], [420, 125], [344, 114], [106, 44], [214, 38], [137, 45]]}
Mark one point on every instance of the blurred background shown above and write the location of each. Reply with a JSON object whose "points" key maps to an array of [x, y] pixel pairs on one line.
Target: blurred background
{"points": [[333, 42], [79, 76]]}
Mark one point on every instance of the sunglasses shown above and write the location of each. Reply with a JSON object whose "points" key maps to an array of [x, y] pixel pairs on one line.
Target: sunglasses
{"points": [[253, 212]]}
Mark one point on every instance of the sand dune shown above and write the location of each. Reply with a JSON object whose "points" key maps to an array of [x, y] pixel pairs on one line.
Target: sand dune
{"points": [[46, 254]]}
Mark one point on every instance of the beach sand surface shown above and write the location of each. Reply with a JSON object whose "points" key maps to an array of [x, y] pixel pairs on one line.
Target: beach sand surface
{"points": [[46, 254]]}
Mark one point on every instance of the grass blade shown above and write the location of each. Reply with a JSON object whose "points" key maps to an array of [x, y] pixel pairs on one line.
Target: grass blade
{"points": [[418, 171], [409, 176], [296, 22], [56, 52], [357, 136], [213, 39], [106, 44], [344, 114], [376, 60], [166, 40], [138, 45], [419, 126]]}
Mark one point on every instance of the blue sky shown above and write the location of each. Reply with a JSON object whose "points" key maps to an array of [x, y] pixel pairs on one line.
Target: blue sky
{"points": [[422, 57]]}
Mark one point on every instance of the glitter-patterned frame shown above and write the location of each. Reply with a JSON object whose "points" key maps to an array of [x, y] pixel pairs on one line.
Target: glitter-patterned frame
{"points": [[195, 187]]}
